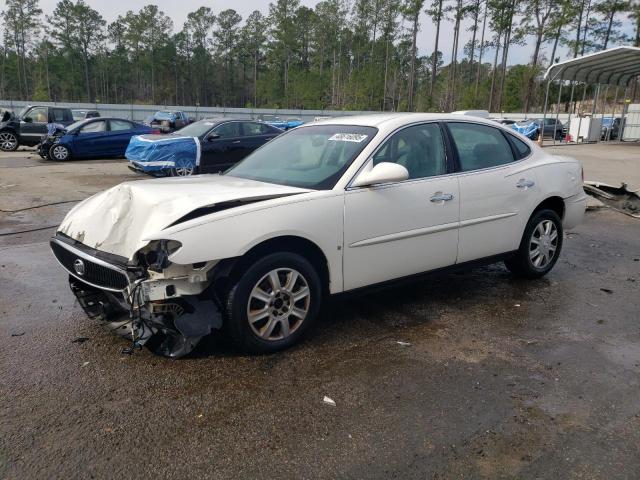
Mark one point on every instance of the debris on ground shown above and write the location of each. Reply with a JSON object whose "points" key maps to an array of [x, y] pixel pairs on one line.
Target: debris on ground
{"points": [[85, 364], [607, 290], [403, 344], [619, 198], [329, 401], [80, 340], [19, 334]]}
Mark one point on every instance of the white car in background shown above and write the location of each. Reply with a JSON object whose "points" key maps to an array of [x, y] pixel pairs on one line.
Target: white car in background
{"points": [[326, 208]]}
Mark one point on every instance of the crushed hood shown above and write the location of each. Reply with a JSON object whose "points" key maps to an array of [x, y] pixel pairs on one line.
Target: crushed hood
{"points": [[119, 220]]}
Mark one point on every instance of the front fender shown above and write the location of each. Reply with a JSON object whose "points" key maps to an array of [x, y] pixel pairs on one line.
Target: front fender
{"points": [[318, 220]]}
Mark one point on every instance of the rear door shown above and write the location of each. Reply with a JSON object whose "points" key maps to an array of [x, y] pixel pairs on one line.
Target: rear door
{"points": [[120, 134], [498, 189], [218, 154], [92, 140], [256, 134]]}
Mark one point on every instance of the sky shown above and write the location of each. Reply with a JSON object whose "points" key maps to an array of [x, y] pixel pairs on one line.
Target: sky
{"points": [[178, 10]]}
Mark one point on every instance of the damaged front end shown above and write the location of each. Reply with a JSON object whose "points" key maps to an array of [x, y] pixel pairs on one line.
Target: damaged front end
{"points": [[167, 307]]}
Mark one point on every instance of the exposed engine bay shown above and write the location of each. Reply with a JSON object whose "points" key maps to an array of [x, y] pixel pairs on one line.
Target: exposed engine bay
{"points": [[167, 307]]}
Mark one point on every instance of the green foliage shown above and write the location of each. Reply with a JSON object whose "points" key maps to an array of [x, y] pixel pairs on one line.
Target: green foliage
{"points": [[338, 54]]}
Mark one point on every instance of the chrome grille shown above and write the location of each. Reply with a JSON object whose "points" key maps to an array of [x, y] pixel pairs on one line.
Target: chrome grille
{"points": [[93, 271]]}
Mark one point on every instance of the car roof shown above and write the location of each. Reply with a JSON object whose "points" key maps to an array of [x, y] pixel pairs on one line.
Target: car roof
{"points": [[394, 120]]}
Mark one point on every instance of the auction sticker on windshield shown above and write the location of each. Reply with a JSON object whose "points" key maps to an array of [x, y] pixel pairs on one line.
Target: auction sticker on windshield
{"points": [[348, 137]]}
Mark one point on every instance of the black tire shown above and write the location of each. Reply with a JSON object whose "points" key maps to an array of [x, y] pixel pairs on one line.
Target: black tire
{"points": [[9, 141], [56, 153], [236, 322], [522, 264]]}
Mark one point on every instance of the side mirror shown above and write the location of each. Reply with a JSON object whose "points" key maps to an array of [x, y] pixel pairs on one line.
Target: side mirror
{"points": [[213, 136], [28, 119], [384, 172]]}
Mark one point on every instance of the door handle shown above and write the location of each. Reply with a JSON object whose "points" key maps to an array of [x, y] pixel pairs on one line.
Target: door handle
{"points": [[522, 183], [236, 142], [441, 197]]}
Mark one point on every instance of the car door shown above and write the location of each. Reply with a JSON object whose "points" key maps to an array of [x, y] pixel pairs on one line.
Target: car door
{"points": [[498, 189], [121, 132], [92, 140], [223, 149], [399, 229], [255, 135], [31, 131]]}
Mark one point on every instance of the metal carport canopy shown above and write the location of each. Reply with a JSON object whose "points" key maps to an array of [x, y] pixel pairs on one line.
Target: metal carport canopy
{"points": [[616, 66]]}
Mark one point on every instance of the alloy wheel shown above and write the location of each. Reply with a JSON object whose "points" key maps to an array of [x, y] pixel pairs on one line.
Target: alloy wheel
{"points": [[278, 304], [59, 152], [543, 244], [8, 141]]}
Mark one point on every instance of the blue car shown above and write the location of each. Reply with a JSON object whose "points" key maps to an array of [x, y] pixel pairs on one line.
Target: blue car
{"points": [[91, 138], [275, 121]]}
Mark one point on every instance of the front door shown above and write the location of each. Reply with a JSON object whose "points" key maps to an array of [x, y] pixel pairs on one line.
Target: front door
{"points": [[92, 140], [400, 229], [32, 131], [496, 195]]}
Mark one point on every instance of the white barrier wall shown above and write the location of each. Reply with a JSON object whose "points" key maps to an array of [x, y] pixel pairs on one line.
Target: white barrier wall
{"points": [[632, 123], [140, 112]]}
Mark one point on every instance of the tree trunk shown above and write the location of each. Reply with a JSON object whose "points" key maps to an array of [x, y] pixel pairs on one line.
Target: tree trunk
{"points": [[534, 65], [494, 71], [586, 28], [434, 60], [577, 45], [606, 38], [484, 25], [412, 68], [555, 45]]}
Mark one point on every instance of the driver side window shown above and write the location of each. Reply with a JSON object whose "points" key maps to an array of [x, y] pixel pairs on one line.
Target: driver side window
{"points": [[229, 129], [38, 115], [419, 148]]}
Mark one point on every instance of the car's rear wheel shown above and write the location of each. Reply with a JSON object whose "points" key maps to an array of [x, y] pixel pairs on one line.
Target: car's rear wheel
{"points": [[59, 153], [8, 141], [273, 303], [540, 246]]}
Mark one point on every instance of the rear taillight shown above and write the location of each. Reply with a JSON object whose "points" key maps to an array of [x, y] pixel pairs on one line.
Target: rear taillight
{"points": [[155, 132]]}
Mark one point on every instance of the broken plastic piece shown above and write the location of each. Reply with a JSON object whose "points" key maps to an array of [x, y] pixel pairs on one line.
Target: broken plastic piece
{"points": [[404, 344], [329, 401]]}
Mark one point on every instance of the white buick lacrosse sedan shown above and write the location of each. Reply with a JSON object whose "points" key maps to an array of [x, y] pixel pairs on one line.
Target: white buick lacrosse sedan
{"points": [[325, 208]]}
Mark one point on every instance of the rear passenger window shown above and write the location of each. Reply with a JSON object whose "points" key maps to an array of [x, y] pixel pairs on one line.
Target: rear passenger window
{"points": [[58, 115], [522, 149], [480, 146]]}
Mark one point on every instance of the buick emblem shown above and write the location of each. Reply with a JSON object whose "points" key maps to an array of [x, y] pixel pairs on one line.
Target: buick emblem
{"points": [[78, 266]]}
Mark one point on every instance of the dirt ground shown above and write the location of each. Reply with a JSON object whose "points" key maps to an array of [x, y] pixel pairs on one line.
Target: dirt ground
{"points": [[495, 377]]}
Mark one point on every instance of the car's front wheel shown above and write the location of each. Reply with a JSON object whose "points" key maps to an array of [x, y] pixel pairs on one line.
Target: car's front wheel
{"points": [[183, 168], [273, 303], [8, 141], [540, 246], [59, 153]]}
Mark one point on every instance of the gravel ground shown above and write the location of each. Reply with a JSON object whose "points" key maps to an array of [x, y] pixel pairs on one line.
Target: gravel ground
{"points": [[495, 377]]}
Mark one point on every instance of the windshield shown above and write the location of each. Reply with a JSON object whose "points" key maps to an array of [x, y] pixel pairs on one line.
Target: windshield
{"points": [[607, 121], [312, 157], [22, 112], [196, 129], [163, 115]]}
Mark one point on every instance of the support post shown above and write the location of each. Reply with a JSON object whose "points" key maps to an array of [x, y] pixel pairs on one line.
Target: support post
{"points": [[604, 107], [584, 95], [544, 111], [613, 116], [572, 109], [557, 113]]}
